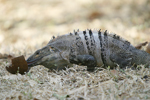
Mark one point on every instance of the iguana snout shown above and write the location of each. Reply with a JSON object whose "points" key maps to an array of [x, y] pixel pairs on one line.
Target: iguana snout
{"points": [[48, 56]]}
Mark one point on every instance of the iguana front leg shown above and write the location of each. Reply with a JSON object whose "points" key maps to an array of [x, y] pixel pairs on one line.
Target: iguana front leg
{"points": [[85, 60]]}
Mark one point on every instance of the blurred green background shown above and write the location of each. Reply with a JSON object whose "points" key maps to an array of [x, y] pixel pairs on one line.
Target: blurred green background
{"points": [[26, 25]]}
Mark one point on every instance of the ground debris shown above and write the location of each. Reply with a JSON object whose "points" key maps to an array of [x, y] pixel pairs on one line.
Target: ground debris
{"points": [[19, 65], [148, 48], [139, 46]]}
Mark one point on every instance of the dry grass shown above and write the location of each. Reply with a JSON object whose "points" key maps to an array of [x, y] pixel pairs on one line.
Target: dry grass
{"points": [[29, 24], [76, 83]]}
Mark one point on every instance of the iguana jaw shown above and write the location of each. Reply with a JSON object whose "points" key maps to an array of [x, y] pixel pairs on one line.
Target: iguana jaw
{"points": [[51, 61], [33, 62]]}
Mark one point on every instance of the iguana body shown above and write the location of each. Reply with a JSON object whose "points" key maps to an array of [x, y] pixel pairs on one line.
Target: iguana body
{"points": [[88, 48]]}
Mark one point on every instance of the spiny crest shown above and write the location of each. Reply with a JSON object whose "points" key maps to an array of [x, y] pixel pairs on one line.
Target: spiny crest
{"points": [[84, 32], [90, 32], [62, 42], [117, 37], [76, 32], [99, 31], [53, 37], [71, 34], [105, 33], [57, 39]]}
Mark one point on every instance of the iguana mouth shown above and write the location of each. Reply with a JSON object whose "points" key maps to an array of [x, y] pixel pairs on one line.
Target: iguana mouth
{"points": [[31, 62]]}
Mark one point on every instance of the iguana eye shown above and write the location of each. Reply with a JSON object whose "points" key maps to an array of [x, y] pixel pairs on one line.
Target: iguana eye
{"points": [[52, 48]]}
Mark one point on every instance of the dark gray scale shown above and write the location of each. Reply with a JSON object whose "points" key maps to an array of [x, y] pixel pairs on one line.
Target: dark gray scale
{"points": [[123, 44], [103, 45], [79, 44], [72, 55], [73, 51], [87, 42], [92, 49], [116, 39], [126, 44]]}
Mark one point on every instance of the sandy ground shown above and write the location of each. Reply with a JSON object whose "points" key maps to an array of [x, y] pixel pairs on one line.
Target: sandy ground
{"points": [[29, 24]]}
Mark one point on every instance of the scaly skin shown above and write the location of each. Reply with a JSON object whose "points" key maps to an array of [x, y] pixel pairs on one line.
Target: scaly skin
{"points": [[88, 48]]}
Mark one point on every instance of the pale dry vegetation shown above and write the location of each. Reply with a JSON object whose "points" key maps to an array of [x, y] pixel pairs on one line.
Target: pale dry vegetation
{"points": [[27, 25]]}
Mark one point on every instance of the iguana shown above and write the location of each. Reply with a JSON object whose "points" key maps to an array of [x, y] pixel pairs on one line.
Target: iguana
{"points": [[90, 48]]}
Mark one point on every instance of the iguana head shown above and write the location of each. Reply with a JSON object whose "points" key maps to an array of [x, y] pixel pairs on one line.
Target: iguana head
{"points": [[55, 55], [52, 56]]}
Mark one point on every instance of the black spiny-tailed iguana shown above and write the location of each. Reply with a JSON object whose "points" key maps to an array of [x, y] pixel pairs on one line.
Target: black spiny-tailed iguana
{"points": [[88, 48]]}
